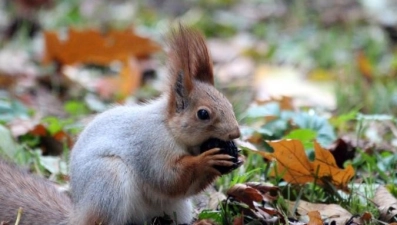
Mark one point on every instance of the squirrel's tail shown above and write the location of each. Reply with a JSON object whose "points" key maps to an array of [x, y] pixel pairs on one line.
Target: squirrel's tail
{"points": [[39, 199]]}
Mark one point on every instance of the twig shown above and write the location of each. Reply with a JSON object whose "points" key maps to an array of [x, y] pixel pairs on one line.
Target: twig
{"points": [[19, 215]]}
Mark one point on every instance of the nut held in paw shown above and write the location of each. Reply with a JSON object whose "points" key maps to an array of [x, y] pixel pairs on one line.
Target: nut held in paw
{"points": [[227, 147]]}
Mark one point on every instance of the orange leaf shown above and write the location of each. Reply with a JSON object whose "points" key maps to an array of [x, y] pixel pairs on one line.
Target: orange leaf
{"points": [[326, 167], [366, 217], [284, 102], [123, 85], [292, 161], [293, 164], [365, 66], [93, 46], [39, 130], [315, 218]]}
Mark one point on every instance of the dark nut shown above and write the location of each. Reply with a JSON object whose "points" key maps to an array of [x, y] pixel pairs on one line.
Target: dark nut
{"points": [[227, 147]]}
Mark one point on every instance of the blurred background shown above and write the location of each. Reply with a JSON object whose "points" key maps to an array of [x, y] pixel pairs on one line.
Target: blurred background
{"points": [[339, 55], [63, 61]]}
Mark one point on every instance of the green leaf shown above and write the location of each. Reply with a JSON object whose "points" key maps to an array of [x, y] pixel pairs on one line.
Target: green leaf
{"points": [[325, 132], [54, 124], [306, 136], [213, 215], [76, 108]]}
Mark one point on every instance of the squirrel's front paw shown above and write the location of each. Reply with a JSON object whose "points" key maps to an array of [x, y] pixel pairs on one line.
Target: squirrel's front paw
{"points": [[226, 147], [221, 163]]}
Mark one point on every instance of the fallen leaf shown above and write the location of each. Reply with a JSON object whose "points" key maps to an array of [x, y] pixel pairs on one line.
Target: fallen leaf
{"points": [[315, 218], [330, 212], [39, 130], [387, 204], [49, 143], [366, 218], [294, 166], [325, 165], [291, 162], [245, 194], [365, 66], [268, 191], [95, 47], [285, 102], [123, 85]]}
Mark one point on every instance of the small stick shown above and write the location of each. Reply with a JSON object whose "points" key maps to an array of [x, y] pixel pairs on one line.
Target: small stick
{"points": [[19, 216]]}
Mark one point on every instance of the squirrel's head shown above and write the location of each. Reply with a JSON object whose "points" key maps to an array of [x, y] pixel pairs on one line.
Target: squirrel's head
{"points": [[197, 111]]}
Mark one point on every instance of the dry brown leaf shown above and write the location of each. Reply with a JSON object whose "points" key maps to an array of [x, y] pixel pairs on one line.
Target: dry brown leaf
{"points": [[326, 167], [123, 85], [329, 212], [365, 66], [245, 194], [268, 191], [92, 46], [50, 144], [314, 218], [291, 161], [366, 218], [284, 102], [294, 166], [387, 204], [39, 130]]}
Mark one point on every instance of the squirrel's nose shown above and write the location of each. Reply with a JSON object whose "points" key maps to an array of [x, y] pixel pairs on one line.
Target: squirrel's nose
{"points": [[235, 134]]}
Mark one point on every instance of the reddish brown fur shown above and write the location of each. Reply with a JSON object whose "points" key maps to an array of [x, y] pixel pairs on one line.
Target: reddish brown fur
{"points": [[188, 54], [196, 171], [42, 203]]}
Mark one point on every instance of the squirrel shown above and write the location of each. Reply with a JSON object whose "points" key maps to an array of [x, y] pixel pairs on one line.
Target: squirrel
{"points": [[133, 163]]}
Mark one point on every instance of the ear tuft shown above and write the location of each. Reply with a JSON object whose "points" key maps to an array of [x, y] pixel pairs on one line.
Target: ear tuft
{"points": [[188, 52]]}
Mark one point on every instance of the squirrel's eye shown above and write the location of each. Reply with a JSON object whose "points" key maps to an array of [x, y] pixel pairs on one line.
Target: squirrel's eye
{"points": [[203, 114]]}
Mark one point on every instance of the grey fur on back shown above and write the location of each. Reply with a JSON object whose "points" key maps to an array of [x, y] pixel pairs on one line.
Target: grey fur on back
{"points": [[41, 202], [116, 154]]}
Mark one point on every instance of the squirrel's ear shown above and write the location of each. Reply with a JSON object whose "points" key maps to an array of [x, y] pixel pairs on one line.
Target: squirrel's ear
{"points": [[180, 93], [188, 52]]}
